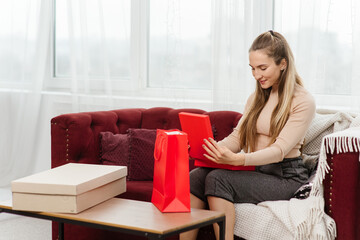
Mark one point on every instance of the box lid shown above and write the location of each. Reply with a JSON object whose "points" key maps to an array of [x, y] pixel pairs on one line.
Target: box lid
{"points": [[69, 179]]}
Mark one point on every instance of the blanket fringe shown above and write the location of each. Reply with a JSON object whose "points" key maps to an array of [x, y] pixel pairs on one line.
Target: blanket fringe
{"points": [[305, 229], [322, 169], [302, 232], [315, 216], [341, 144], [329, 145], [320, 237], [331, 229]]}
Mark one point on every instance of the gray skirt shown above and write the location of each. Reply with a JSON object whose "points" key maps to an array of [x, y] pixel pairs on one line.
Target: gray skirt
{"points": [[277, 181]]}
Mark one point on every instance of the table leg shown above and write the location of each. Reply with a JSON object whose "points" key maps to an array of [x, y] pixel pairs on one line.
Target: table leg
{"points": [[222, 229], [61, 231]]}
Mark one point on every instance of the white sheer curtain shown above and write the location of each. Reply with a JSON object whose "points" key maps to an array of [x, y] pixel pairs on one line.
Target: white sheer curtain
{"points": [[92, 49], [325, 38], [24, 44], [101, 60], [35, 86], [199, 50], [235, 24]]}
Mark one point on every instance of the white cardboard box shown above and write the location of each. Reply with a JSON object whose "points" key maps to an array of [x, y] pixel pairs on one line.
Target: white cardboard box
{"points": [[70, 188]]}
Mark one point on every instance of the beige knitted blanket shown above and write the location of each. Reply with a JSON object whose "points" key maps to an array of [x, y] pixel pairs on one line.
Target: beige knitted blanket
{"points": [[302, 218]]}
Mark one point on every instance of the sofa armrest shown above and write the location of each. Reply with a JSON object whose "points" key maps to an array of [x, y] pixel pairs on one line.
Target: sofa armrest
{"points": [[342, 192]]}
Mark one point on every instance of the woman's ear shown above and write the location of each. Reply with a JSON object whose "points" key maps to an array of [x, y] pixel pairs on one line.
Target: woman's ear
{"points": [[283, 64]]}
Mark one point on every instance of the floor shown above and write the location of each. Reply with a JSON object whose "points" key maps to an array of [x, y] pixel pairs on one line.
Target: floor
{"points": [[14, 227]]}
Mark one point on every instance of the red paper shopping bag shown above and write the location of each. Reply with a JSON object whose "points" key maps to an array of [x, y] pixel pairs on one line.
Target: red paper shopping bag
{"points": [[171, 190]]}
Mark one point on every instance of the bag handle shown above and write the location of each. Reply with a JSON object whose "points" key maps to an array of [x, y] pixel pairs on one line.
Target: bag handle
{"points": [[160, 145]]}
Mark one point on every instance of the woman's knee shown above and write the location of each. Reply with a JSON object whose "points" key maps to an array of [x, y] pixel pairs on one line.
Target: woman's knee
{"points": [[215, 177], [217, 185], [198, 174], [197, 182]]}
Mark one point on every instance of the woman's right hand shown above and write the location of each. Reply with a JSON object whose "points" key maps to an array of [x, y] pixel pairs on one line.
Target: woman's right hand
{"points": [[221, 154]]}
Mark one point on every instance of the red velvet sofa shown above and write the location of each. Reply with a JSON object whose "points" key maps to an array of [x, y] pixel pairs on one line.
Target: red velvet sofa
{"points": [[75, 138]]}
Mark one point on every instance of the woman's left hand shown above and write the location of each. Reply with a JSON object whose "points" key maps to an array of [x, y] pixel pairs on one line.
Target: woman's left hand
{"points": [[221, 154]]}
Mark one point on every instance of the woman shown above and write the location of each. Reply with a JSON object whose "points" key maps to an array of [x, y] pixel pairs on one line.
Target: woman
{"points": [[268, 136]]}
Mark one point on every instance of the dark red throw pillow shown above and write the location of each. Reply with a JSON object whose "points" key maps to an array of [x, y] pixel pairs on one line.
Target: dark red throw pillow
{"points": [[135, 149], [114, 148], [141, 154]]}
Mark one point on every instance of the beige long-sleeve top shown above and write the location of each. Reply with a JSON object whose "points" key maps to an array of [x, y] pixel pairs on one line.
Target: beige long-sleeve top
{"points": [[291, 137]]}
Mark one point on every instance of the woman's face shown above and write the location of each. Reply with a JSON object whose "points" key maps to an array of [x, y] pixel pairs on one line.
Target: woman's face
{"points": [[264, 69]]}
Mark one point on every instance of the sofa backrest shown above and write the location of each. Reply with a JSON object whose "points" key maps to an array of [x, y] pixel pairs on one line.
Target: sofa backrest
{"points": [[75, 136]]}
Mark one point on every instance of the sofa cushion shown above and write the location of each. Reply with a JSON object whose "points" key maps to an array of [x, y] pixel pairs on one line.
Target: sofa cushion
{"points": [[114, 148], [135, 149], [141, 154]]}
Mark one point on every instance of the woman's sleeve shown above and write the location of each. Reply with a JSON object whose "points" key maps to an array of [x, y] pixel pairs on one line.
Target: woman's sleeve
{"points": [[301, 115]]}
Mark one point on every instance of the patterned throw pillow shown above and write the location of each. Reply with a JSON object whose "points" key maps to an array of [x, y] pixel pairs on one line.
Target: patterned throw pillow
{"points": [[135, 149], [141, 154], [114, 148]]}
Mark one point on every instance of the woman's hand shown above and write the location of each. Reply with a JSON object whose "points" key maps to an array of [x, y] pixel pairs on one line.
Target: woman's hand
{"points": [[221, 154]]}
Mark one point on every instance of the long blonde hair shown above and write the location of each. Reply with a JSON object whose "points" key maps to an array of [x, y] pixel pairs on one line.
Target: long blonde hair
{"points": [[276, 47]]}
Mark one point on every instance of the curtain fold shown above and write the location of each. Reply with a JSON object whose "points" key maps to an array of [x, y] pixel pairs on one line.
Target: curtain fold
{"points": [[324, 37], [93, 51], [232, 36], [82, 36], [229, 73], [355, 39], [21, 101]]}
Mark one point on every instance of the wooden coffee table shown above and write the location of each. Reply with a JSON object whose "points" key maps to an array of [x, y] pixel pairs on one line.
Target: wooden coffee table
{"points": [[129, 216]]}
